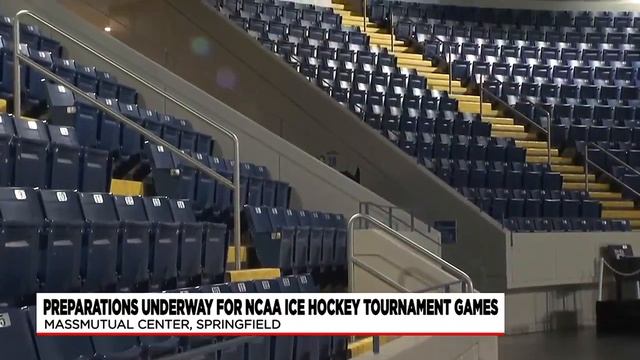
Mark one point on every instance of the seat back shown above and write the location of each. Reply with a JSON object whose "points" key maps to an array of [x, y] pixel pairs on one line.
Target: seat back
{"points": [[158, 209], [15, 335], [59, 347], [130, 208]]}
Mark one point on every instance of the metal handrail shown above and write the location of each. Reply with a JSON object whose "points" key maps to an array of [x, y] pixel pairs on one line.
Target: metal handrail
{"points": [[448, 267], [588, 162], [496, 98], [392, 217], [392, 37], [547, 131], [549, 121], [449, 60], [380, 276], [233, 185]]}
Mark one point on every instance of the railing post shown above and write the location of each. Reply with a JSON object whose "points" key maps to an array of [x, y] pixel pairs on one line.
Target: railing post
{"points": [[392, 29], [351, 267], [600, 279], [364, 15], [376, 344], [548, 137], [412, 221], [586, 167], [450, 65], [481, 94], [17, 91]]}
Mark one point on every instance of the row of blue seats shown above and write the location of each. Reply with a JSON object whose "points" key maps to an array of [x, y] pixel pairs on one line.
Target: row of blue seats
{"points": [[34, 154], [85, 77], [379, 10], [97, 129], [18, 335], [565, 225], [297, 240], [256, 186], [618, 84], [60, 240], [505, 203], [493, 174], [456, 147], [30, 35], [407, 29], [534, 54], [610, 96]]}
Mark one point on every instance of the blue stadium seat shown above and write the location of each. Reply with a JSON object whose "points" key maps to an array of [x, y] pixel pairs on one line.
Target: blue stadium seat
{"points": [[31, 145], [7, 135], [21, 224], [15, 335], [301, 241], [205, 186], [281, 346], [188, 138], [65, 158], [272, 238], [165, 233], [107, 85], [86, 78], [151, 121], [191, 258], [223, 194], [109, 127], [36, 82], [131, 140], [63, 246], [315, 238], [100, 250], [134, 243], [170, 131], [59, 347], [186, 188]]}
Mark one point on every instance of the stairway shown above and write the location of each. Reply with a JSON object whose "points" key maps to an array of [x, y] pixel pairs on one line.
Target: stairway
{"points": [[613, 204]]}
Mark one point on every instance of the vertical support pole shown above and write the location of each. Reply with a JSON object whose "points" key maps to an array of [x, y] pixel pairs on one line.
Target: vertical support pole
{"points": [[17, 91], [481, 94], [450, 65], [350, 256], [413, 226], [548, 137], [392, 29], [236, 204], [364, 15], [601, 279], [586, 167], [376, 344]]}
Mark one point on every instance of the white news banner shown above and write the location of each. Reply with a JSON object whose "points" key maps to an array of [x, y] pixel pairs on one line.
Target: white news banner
{"points": [[222, 314]]}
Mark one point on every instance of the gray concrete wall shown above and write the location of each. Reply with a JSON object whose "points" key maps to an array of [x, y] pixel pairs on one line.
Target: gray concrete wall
{"points": [[555, 259], [266, 90], [396, 261]]}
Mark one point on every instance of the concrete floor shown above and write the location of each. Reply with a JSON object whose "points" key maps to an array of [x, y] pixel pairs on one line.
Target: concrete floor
{"points": [[580, 345]]}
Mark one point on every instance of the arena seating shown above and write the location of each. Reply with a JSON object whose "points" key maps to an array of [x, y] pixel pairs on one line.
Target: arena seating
{"points": [[18, 334], [398, 85], [62, 231]]}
